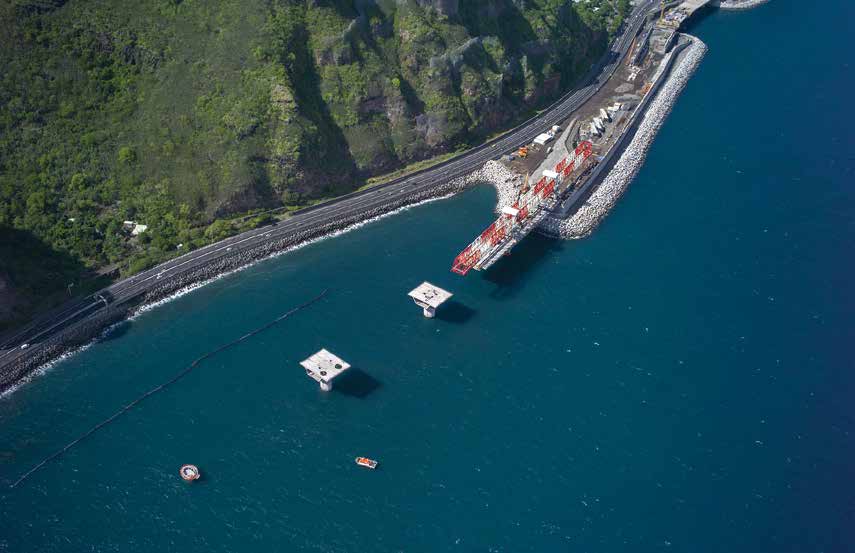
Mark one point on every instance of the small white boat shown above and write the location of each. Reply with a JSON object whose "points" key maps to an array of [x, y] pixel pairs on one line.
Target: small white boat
{"points": [[366, 462]]}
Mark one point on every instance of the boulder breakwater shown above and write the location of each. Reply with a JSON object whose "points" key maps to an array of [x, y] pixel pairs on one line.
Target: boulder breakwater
{"points": [[580, 223], [588, 215], [505, 181], [41, 354], [739, 4], [608, 186]]}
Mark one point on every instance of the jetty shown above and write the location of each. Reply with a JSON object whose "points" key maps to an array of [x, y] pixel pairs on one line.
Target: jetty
{"points": [[572, 166]]}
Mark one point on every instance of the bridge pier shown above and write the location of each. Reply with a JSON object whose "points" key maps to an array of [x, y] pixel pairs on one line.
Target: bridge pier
{"points": [[429, 298]]}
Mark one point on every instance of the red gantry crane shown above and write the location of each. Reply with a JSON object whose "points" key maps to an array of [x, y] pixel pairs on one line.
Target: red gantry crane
{"points": [[517, 220]]}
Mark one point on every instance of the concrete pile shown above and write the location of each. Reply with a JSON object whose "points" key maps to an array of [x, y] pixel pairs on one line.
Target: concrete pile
{"points": [[494, 173], [91, 328], [603, 198], [505, 181], [356, 219]]}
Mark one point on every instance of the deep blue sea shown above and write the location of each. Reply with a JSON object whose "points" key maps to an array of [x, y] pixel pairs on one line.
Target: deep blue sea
{"points": [[680, 381]]}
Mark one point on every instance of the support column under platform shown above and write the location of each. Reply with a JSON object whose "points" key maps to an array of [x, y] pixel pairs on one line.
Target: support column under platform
{"points": [[323, 367], [429, 298]]}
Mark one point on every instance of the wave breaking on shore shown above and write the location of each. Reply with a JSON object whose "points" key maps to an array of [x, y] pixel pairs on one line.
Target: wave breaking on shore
{"points": [[739, 4], [506, 183], [135, 313], [196, 285]]}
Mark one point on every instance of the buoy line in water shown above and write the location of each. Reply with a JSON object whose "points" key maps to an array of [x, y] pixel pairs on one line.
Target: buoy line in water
{"points": [[164, 385]]}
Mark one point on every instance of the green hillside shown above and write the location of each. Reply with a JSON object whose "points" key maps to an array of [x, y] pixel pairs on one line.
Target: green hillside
{"points": [[184, 114]]}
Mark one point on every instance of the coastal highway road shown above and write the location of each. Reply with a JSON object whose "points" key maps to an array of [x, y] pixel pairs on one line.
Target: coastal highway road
{"points": [[18, 346]]}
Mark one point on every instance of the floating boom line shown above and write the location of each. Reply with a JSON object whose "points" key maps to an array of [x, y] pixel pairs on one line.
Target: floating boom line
{"points": [[161, 387]]}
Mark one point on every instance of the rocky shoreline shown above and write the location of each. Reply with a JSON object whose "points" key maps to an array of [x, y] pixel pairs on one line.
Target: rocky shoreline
{"points": [[42, 355], [506, 183], [739, 4], [588, 216]]}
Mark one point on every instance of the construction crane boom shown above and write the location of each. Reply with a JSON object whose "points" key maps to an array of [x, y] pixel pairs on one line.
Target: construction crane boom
{"points": [[517, 220]]}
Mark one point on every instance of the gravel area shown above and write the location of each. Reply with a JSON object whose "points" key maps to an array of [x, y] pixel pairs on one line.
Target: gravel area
{"points": [[92, 328], [505, 181], [589, 215]]}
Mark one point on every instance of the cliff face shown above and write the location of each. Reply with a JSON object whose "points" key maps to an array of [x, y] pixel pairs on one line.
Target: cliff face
{"points": [[177, 112], [400, 81]]}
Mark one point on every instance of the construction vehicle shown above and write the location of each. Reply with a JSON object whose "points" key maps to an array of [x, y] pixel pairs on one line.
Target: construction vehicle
{"points": [[517, 220], [523, 151]]}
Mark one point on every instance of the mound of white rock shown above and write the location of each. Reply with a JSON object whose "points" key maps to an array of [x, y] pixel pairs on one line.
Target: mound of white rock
{"points": [[588, 216], [505, 181]]}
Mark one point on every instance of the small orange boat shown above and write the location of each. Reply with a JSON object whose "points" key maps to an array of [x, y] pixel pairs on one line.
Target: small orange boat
{"points": [[189, 472], [366, 462]]}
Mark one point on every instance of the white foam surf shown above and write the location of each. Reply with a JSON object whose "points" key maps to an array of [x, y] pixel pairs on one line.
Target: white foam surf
{"points": [[47, 367]]}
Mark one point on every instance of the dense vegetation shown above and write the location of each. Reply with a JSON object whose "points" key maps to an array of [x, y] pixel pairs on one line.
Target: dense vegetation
{"points": [[182, 114]]}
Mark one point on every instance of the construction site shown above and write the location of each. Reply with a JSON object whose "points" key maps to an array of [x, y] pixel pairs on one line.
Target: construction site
{"points": [[555, 173]]}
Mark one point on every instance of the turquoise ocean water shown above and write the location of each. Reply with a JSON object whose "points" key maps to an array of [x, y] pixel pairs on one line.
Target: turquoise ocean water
{"points": [[679, 381]]}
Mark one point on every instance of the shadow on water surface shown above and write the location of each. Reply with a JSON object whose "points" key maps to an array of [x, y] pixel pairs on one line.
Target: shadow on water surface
{"points": [[356, 383], [509, 273], [455, 312]]}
